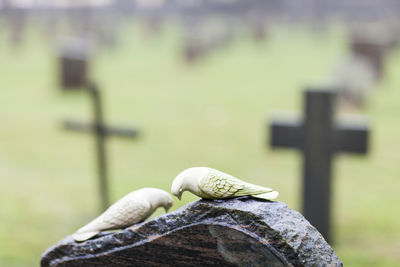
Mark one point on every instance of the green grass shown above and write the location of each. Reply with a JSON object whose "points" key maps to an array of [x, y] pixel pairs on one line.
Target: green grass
{"points": [[213, 113]]}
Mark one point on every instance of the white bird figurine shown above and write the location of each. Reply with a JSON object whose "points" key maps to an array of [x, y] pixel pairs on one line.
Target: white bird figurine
{"points": [[132, 208], [213, 184]]}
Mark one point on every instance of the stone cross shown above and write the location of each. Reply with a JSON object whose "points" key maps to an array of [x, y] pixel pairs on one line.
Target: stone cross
{"points": [[73, 75], [101, 131], [319, 138]]}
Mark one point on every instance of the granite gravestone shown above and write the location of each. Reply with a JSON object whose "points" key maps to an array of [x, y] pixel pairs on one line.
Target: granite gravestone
{"points": [[319, 138], [237, 232]]}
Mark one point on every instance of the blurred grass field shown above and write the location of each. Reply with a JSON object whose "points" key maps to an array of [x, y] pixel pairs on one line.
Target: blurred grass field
{"points": [[213, 113]]}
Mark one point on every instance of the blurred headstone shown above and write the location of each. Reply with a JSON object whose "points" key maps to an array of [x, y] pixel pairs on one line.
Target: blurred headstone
{"points": [[17, 22], [259, 30], [151, 26], [363, 68], [193, 50], [74, 66], [319, 138], [371, 46], [202, 38], [354, 77], [235, 232], [258, 25], [107, 35]]}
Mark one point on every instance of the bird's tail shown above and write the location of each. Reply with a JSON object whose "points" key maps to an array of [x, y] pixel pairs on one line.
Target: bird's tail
{"points": [[268, 196], [83, 236]]}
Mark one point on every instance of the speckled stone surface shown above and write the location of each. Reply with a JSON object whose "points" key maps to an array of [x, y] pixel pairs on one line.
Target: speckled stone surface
{"points": [[237, 232]]}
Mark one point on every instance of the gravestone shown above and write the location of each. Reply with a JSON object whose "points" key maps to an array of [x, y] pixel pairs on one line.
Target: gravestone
{"points": [[237, 232], [354, 77], [372, 47], [17, 25], [363, 68], [258, 25], [201, 39], [74, 57], [318, 138]]}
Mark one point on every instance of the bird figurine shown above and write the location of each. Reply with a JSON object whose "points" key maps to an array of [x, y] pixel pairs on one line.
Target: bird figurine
{"points": [[213, 184], [132, 208]]}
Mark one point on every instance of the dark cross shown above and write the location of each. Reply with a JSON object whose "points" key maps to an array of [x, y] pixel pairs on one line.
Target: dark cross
{"points": [[319, 138], [73, 75]]}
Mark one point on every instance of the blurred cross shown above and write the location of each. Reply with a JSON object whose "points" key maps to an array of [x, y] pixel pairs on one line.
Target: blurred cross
{"points": [[101, 131], [74, 77], [318, 137]]}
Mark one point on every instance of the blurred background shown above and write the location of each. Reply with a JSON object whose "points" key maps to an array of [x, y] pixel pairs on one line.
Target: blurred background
{"points": [[200, 81]]}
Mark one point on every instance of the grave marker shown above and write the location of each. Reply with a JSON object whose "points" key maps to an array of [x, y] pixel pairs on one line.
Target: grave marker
{"points": [[74, 70], [371, 48], [241, 231], [74, 77], [319, 138]]}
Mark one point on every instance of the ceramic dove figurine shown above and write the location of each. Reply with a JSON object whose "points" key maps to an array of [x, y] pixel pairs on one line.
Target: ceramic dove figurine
{"points": [[213, 184], [132, 208]]}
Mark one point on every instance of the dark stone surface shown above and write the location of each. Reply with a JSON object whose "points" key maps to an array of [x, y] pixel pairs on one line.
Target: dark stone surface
{"points": [[73, 71], [237, 232]]}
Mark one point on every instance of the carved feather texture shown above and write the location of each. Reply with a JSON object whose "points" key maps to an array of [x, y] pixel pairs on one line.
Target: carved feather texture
{"points": [[213, 184], [132, 208]]}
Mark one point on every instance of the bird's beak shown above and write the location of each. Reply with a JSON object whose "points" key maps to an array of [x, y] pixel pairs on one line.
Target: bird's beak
{"points": [[178, 193], [179, 196]]}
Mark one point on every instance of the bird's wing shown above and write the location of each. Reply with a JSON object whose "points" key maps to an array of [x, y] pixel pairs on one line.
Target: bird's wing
{"points": [[129, 212], [125, 212], [215, 185]]}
